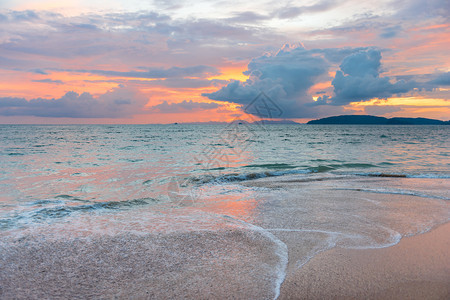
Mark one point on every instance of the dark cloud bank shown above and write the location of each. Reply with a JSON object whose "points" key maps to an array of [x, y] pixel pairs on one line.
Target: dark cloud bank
{"points": [[287, 76], [359, 80], [121, 102]]}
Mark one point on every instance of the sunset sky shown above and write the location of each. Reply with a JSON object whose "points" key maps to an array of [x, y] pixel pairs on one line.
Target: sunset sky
{"points": [[132, 61]]}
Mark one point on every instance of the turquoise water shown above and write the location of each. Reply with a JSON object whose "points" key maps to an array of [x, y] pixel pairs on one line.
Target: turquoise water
{"points": [[53, 171]]}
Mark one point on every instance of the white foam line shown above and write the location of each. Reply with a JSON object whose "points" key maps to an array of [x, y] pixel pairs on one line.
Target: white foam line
{"points": [[400, 175], [395, 238], [394, 192], [281, 252]]}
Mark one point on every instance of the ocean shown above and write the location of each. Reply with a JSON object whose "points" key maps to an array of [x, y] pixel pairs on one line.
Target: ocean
{"points": [[214, 199]]}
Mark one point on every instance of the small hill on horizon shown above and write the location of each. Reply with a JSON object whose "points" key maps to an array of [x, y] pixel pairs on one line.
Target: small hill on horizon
{"points": [[374, 120]]}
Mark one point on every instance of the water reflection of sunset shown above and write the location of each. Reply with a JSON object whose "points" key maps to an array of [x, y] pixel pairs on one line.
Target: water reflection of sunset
{"points": [[239, 206]]}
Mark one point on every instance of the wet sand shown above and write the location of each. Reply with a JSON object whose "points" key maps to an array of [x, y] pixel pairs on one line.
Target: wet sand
{"points": [[213, 254], [416, 268], [227, 264], [222, 265]]}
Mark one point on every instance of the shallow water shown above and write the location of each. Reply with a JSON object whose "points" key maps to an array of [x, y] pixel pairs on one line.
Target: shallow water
{"points": [[293, 190]]}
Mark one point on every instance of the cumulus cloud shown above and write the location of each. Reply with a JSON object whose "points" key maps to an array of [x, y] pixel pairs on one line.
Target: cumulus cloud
{"points": [[359, 80], [182, 107], [285, 77], [362, 63], [118, 103]]}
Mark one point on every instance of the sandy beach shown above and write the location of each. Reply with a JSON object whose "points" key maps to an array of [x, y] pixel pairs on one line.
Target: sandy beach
{"points": [[211, 265], [223, 265], [322, 239], [416, 268]]}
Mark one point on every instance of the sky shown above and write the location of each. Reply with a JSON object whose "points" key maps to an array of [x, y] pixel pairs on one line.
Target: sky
{"points": [[165, 61]]}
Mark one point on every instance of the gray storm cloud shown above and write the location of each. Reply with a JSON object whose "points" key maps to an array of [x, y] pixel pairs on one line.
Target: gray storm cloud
{"points": [[285, 77], [359, 80], [120, 102]]}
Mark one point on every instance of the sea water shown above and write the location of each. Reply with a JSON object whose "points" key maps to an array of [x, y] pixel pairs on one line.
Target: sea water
{"points": [[291, 191]]}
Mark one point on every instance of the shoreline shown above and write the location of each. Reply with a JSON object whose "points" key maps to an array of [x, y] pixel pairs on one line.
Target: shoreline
{"points": [[156, 266], [216, 250], [418, 267]]}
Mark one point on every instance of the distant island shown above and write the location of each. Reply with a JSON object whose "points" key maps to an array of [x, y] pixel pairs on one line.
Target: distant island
{"points": [[373, 120]]}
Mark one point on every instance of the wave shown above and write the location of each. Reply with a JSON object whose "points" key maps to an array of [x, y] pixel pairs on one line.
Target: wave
{"points": [[60, 210], [272, 166], [331, 167], [405, 175], [281, 169], [336, 170], [235, 177], [275, 169]]}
